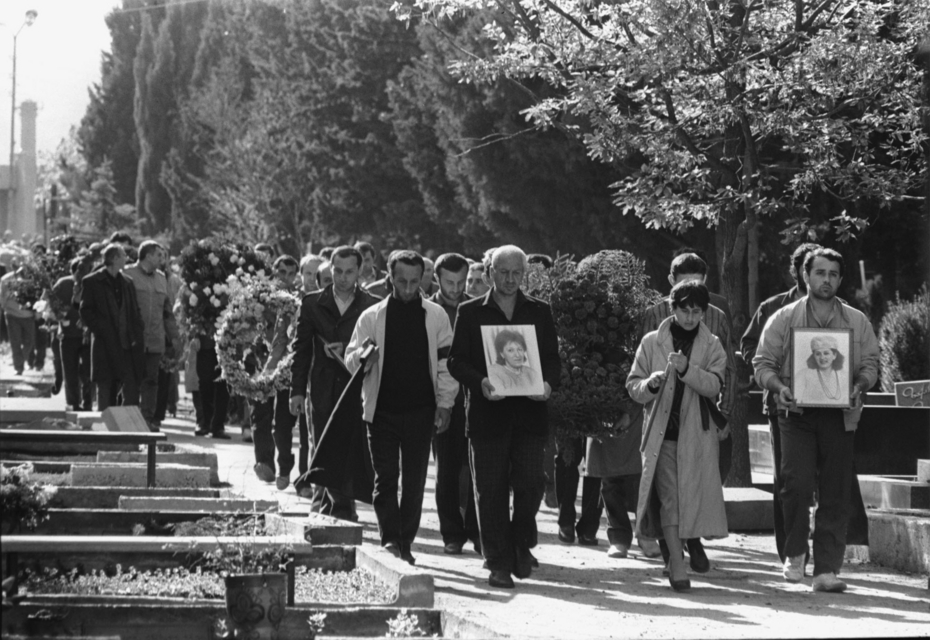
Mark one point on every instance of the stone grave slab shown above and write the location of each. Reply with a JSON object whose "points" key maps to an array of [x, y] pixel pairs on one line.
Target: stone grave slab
{"points": [[207, 505], [108, 497], [415, 588], [315, 528], [190, 458], [894, 492], [86, 419], [24, 410], [900, 539], [923, 470], [126, 419], [126, 474], [748, 509]]}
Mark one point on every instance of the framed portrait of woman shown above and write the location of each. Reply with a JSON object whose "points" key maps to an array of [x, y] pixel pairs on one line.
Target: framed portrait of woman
{"points": [[820, 367], [511, 353]]}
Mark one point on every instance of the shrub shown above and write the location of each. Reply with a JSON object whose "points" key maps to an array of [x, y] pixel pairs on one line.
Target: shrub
{"points": [[23, 502], [904, 341]]}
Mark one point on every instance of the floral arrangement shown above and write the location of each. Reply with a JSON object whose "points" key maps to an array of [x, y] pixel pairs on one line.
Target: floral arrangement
{"points": [[245, 332], [29, 283], [209, 268], [596, 306], [23, 503]]}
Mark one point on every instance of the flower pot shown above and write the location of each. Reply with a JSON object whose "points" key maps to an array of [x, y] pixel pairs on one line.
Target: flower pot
{"points": [[255, 604]]}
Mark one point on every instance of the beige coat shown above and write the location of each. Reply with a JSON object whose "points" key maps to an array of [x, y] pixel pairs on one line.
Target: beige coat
{"points": [[700, 494]]}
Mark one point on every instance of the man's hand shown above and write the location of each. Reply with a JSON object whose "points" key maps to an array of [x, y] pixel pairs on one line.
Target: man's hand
{"points": [[296, 405], [785, 399], [443, 417], [488, 390], [334, 350], [723, 434], [857, 397], [655, 380], [547, 391], [679, 361]]}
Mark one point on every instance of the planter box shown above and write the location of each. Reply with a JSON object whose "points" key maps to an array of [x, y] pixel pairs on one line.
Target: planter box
{"points": [[900, 539], [108, 497], [118, 522], [315, 528], [199, 505], [135, 475], [191, 459]]}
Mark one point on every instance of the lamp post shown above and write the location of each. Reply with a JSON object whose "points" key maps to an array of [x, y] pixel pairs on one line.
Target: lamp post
{"points": [[30, 18]]}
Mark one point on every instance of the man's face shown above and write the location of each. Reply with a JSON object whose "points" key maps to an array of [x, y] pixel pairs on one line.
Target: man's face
{"points": [[162, 258], [685, 277], [119, 261], [507, 274], [345, 275], [286, 274], [308, 275], [824, 278], [452, 285], [475, 284], [325, 275], [406, 279], [688, 317], [368, 263], [427, 280]]}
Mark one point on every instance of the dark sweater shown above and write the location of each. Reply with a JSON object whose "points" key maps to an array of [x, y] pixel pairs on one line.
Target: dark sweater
{"points": [[406, 383], [682, 340]]}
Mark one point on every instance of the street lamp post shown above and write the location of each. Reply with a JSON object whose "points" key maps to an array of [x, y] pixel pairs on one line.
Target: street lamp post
{"points": [[30, 18]]}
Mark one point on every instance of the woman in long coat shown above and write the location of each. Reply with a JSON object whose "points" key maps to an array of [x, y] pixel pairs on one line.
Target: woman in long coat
{"points": [[700, 506]]}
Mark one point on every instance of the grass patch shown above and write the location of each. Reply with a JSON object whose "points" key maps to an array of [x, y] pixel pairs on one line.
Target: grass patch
{"points": [[311, 585]]}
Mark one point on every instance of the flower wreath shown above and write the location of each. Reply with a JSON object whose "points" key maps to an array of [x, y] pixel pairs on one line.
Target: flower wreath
{"points": [[254, 307]]}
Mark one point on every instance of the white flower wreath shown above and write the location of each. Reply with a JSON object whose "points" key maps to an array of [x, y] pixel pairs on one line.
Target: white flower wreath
{"points": [[255, 303]]}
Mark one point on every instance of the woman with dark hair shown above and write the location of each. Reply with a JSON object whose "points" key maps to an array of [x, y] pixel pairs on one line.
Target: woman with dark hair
{"points": [[511, 370], [820, 381]]}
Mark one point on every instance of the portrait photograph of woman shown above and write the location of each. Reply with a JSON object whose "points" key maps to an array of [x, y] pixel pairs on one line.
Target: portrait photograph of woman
{"points": [[512, 355], [820, 367]]}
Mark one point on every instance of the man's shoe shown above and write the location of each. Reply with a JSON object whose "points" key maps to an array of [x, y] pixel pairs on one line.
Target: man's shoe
{"points": [[246, 434], [264, 472], [533, 560], [618, 551], [699, 561], [551, 499], [407, 557], [649, 547], [220, 435], [202, 432], [500, 579], [566, 535], [477, 543], [282, 482], [586, 540], [680, 585], [522, 563], [452, 548], [393, 548], [829, 583], [794, 569], [304, 490]]}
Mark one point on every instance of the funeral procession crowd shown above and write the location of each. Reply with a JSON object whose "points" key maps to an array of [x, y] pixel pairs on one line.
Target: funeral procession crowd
{"points": [[452, 358]]}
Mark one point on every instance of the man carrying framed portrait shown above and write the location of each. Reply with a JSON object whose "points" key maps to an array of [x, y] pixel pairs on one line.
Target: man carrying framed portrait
{"points": [[818, 356]]}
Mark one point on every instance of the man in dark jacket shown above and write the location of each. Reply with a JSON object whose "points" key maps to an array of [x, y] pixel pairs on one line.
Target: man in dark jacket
{"points": [[110, 310], [507, 436], [324, 328], [74, 349]]}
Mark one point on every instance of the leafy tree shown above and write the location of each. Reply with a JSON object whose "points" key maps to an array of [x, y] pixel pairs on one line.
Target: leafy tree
{"points": [[722, 112], [98, 214], [62, 179]]}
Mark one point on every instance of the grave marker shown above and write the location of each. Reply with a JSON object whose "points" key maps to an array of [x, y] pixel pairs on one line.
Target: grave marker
{"points": [[912, 394], [125, 419]]}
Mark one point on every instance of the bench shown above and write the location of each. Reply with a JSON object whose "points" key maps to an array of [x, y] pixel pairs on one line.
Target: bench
{"points": [[151, 439]]}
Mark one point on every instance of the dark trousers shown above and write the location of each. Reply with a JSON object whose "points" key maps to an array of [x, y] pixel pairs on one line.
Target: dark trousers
{"points": [[165, 380], [566, 490], [619, 495], [399, 444], [273, 430], [37, 359], [214, 394], [108, 389], [22, 333], [725, 460], [75, 364], [56, 362], [303, 431], [513, 460], [458, 520], [816, 455], [329, 502], [149, 386]]}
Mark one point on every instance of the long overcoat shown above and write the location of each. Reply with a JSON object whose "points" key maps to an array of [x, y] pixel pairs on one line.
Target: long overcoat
{"points": [[100, 314], [700, 494]]}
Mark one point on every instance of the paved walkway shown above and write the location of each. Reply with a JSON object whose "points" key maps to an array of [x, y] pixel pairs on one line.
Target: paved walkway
{"points": [[580, 593]]}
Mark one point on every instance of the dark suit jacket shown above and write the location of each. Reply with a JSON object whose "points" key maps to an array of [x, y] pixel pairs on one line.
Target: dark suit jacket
{"points": [[486, 419], [320, 323], [100, 314]]}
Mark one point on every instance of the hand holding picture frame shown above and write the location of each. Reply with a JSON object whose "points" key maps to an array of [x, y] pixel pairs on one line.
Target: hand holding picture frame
{"points": [[511, 353], [820, 367]]}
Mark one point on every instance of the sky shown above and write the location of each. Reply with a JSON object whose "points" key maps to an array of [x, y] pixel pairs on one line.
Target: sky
{"points": [[57, 60]]}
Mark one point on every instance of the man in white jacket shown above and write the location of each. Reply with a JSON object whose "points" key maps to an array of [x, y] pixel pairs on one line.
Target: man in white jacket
{"points": [[407, 396]]}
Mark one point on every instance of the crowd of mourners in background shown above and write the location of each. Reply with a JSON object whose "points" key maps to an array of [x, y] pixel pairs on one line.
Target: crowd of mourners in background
{"points": [[427, 387]]}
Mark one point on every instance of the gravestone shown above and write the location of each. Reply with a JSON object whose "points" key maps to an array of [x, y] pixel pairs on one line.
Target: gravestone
{"points": [[125, 419]]}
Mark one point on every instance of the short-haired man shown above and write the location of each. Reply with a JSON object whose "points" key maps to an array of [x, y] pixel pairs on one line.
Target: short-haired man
{"points": [[324, 275], [475, 284], [20, 321], [457, 522], [156, 306], [689, 267], [324, 328], [407, 395], [265, 251], [748, 344], [273, 423], [507, 436], [427, 283], [309, 265], [75, 349], [110, 311], [816, 443], [369, 271]]}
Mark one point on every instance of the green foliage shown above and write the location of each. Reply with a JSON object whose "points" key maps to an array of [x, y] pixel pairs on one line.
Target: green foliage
{"points": [[904, 341], [235, 552], [23, 502]]}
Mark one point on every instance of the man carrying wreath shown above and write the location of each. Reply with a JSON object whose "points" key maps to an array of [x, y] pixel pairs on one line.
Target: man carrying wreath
{"points": [[816, 443]]}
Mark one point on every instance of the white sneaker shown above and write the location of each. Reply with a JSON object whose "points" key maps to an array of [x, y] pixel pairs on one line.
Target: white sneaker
{"points": [[794, 568], [828, 582], [618, 551]]}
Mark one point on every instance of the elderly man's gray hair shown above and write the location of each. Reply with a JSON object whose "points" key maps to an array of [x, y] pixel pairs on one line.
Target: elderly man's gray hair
{"points": [[506, 251]]}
